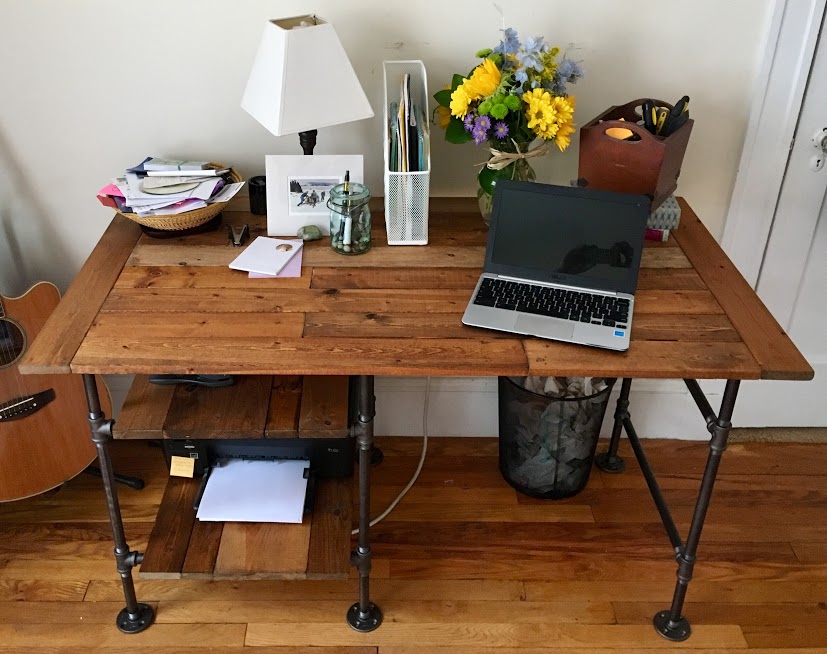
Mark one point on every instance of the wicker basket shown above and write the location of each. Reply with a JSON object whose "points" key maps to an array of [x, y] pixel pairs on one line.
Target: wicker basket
{"points": [[188, 219]]}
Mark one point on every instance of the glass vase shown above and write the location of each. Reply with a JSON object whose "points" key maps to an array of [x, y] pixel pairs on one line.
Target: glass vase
{"points": [[520, 170]]}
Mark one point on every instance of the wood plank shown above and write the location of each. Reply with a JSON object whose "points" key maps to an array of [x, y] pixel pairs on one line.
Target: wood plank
{"points": [[58, 612], [33, 590], [437, 254], [324, 407], [669, 359], [202, 550], [106, 636], [488, 634], [242, 301], [381, 590], [144, 410], [464, 278], [810, 552], [411, 612], [673, 279], [752, 615], [237, 411], [285, 404], [189, 647], [683, 327], [375, 356], [202, 277], [203, 324], [813, 634], [264, 550], [646, 326], [329, 549], [769, 344], [170, 537], [57, 342]]}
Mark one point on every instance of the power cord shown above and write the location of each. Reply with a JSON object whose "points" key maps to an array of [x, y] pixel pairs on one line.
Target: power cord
{"points": [[402, 494]]}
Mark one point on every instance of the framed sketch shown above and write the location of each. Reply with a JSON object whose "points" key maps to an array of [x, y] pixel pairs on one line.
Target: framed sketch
{"points": [[298, 187]]}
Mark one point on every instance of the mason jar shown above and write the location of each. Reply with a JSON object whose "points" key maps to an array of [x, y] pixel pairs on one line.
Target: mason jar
{"points": [[349, 218]]}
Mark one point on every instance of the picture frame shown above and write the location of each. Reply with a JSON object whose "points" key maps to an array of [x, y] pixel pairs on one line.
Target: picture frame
{"points": [[298, 187]]}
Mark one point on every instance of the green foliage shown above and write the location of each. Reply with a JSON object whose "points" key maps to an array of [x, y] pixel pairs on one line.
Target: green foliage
{"points": [[455, 132], [443, 97], [513, 102], [456, 80], [482, 54]]}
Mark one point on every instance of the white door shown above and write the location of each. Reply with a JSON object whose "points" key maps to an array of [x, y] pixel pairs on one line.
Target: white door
{"points": [[793, 277]]}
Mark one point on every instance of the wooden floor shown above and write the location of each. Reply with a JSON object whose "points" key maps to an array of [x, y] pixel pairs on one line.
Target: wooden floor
{"points": [[464, 565]]}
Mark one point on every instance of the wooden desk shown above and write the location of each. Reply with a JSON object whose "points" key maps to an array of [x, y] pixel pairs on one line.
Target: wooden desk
{"points": [[141, 305]]}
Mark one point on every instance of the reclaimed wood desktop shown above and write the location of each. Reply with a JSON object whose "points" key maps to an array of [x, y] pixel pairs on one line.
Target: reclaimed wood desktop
{"points": [[142, 305]]}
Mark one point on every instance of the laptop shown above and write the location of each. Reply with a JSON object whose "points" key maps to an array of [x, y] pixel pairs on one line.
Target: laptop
{"points": [[561, 263]]}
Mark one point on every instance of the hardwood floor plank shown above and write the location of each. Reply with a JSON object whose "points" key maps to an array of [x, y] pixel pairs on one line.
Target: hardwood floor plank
{"points": [[59, 612], [810, 552], [790, 635], [752, 615], [316, 611], [34, 590], [380, 590], [487, 634], [106, 635]]}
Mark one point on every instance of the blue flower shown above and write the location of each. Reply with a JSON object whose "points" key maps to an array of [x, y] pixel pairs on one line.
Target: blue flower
{"points": [[521, 76], [535, 45], [509, 44], [468, 122], [569, 70]]}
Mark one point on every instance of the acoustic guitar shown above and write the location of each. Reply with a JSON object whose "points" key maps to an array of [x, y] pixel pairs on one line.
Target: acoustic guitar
{"points": [[44, 431]]}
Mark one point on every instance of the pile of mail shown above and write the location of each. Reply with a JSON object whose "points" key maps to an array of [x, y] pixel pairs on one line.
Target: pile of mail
{"points": [[164, 187]]}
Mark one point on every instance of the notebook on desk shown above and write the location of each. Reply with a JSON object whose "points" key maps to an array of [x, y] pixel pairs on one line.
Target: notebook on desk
{"points": [[561, 263]]}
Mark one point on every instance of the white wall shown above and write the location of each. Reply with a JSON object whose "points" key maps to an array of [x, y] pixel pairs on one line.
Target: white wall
{"points": [[90, 86]]}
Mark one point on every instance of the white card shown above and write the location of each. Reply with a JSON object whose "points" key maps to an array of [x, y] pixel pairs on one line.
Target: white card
{"points": [[266, 255]]}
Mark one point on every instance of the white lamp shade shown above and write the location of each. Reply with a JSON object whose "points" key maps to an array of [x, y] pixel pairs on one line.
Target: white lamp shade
{"points": [[302, 79]]}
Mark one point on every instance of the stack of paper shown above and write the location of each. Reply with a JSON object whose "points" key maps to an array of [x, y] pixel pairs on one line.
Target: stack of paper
{"points": [[407, 132], [161, 187]]}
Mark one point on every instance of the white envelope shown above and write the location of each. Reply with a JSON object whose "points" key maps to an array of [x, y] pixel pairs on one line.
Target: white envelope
{"points": [[266, 255]]}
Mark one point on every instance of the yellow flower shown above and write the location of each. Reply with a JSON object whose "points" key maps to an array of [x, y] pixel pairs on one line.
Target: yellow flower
{"points": [[565, 121], [484, 80], [541, 113], [444, 114], [460, 101]]}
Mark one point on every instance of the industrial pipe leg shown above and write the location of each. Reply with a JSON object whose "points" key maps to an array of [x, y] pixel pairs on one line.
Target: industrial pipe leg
{"points": [[135, 617], [364, 616], [609, 461], [671, 624]]}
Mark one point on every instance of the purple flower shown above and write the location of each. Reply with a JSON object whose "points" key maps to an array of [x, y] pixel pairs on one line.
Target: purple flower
{"points": [[500, 130], [479, 134], [468, 122], [483, 122]]}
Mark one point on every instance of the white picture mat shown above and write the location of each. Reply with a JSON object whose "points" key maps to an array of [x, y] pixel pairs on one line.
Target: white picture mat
{"points": [[255, 491], [279, 168], [267, 256]]}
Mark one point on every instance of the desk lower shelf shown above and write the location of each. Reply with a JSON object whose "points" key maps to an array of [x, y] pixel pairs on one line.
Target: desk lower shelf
{"points": [[182, 547]]}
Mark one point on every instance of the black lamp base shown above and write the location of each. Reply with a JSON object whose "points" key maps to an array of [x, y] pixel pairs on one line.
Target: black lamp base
{"points": [[308, 140]]}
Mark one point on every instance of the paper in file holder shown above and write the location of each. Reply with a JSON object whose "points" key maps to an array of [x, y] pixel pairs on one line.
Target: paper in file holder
{"points": [[406, 193]]}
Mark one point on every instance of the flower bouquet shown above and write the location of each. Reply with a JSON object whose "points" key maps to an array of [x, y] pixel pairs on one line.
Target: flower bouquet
{"points": [[517, 95]]}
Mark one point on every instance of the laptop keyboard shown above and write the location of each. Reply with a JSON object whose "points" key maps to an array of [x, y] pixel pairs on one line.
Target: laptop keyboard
{"points": [[554, 302]]}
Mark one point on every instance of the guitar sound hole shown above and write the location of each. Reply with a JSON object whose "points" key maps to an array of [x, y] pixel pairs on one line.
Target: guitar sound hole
{"points": [[12, 342]]}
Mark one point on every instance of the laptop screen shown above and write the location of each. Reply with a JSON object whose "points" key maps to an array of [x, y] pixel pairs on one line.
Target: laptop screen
{"points": [[573, 236]]}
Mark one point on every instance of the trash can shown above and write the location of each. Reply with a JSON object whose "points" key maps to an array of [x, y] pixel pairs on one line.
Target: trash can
{"points": [[547, 444]]}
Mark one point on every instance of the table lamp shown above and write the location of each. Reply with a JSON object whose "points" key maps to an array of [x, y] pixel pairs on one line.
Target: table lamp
{"points": [[302, 80]]}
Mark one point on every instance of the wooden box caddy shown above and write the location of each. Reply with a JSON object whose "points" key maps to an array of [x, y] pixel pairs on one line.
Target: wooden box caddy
{"points": [[649, 165]]}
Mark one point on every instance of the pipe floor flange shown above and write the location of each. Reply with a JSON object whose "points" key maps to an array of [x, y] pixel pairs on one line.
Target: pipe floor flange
{"points": [[364, 625], [609, 462], [676, 632], [146, 617]]}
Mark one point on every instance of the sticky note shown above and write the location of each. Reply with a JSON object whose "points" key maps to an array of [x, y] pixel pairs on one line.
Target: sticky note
{"points": [[182, 466]]}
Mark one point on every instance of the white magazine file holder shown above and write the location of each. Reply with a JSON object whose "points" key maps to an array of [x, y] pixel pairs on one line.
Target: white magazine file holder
{"points": [[406, 194]]}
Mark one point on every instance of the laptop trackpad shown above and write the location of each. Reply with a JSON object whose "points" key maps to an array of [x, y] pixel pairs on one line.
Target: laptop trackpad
{"points": [[544, 327]]}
